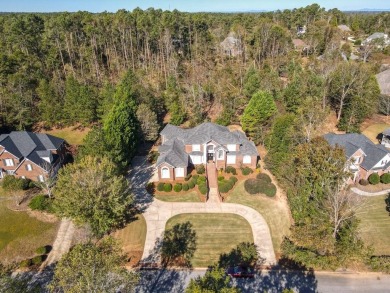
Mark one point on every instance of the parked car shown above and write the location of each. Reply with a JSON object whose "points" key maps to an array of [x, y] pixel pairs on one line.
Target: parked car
{"points": [[241, 272]]}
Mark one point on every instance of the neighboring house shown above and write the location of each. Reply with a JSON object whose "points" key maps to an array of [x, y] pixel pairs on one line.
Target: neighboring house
{"points": [[385, 140], [30, 155], [381, 40], [363, 155], [344, 28], [301, 30], [383, 79], [208, 142], [300, 45], [231, 46]]}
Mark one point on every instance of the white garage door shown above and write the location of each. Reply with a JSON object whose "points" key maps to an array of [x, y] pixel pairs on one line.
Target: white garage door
{"points": [[231, 159], [246, 160], [165, 173], [179, 172], [196, 160]]}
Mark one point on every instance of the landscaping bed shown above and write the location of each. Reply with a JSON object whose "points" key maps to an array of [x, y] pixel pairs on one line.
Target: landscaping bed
{"points": [[275, 212], [191, 196], [216, 234]]}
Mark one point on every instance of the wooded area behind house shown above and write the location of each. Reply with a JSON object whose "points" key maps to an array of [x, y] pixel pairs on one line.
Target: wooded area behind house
{"points": [[62, 68]]}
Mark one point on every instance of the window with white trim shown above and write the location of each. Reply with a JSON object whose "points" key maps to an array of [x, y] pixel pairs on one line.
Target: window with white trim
{"points": [[247, 159], [165, 172], [29, 167], [196, 147], [220, 155], [41, 178], [231, 147], [9, 162]]}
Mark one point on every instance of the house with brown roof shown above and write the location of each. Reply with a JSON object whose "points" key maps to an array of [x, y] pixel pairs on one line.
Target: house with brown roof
{"points": [[207, 143], [34, 156], [364, 157]]}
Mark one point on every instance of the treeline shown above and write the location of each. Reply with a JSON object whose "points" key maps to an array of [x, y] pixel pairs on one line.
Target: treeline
{"points": [[64, 68]]}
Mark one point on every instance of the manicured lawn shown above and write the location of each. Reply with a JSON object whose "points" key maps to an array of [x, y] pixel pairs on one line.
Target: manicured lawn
{"points": [[375, 224], [372, 131], [273, 210], [132, 239], [70, 134], [216, 234], [191, 196], [21, 235]]}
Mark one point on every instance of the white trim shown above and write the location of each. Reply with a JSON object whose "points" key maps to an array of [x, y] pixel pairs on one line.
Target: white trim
{"points": [[245, 159], [9, 162], [232, 147], [196, 147], [232, 159], [162, 173], [179, 172]]}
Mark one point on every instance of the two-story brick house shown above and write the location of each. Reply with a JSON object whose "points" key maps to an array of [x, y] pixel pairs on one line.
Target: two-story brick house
{"points": [[31, 155], [204, 143], [364, 157]]}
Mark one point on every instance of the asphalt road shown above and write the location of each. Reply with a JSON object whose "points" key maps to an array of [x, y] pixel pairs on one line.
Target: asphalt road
{"points": [[162, 281]]}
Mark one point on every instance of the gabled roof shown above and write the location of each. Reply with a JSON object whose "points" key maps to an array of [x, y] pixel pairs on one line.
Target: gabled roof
{"points": [[376, 36], [344, 28], [352, 142], [383, 79], [173, 154], [32, 146]]}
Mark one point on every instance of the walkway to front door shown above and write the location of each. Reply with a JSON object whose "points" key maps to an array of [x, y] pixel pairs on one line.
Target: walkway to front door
{"points": [[213, 195]]}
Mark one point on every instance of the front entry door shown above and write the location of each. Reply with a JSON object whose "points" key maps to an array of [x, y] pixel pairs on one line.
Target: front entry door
{"points": [[210, 157]]}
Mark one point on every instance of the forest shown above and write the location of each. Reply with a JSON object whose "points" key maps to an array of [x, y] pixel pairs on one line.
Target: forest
{"points": [[126, 74], [63, 69]]}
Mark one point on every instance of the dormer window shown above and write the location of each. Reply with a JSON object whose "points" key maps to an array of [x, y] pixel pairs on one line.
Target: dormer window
{"points": [[231, 147], [196, 147], [9, 162], [357, 160]]}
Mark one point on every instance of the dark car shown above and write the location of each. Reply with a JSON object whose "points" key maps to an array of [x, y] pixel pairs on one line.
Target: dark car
{"points": [[241, 272]]}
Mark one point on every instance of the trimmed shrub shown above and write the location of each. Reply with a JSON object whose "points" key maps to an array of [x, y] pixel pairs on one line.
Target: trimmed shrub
{"points": [[178, 187], [203, 188], [38, 260], [188, 177], [264, 177], [167, 187], [160, 186], [195, 178], [269, 190], [185, 187], [200, 169], [40, 202], [25, 263], [191, 184], [252, 186], [43, 249], [220, 178], [201, 180], [385, 178], [233, 179], [374, 178], [363, 182], [11, 183], [230, 169], [246, 171]]}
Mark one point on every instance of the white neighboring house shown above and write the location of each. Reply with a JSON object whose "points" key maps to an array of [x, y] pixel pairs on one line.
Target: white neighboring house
{"points": [[380, 40]]}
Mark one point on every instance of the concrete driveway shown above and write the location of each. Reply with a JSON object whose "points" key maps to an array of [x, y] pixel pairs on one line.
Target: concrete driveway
{"points": [[157, 213]]}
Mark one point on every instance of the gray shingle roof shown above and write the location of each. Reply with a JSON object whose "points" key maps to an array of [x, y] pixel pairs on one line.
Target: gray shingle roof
{"points": [[173, 154], [383, 79], [172, 151], [32, 146], [351, 142], [386, 132]]}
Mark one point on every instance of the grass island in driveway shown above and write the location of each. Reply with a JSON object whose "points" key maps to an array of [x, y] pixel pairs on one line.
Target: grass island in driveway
{"points": [[216, 234]]}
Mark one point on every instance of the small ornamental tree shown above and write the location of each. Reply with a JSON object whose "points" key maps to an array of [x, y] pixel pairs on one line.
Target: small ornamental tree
{"points": [[374, 178]]}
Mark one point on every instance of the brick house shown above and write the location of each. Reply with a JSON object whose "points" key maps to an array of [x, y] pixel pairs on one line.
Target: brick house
{"points": [[205, 143], [364, 157], [30, 155]]}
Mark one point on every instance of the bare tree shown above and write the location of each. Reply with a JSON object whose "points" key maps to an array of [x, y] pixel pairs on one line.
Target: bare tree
{"points": [[341, 205], [384, 105]]}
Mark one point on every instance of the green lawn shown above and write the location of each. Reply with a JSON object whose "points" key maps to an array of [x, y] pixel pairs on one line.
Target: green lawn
{"points": [[132, 239], [216, 234], [70, 134], [372, 131], [191, 196], [375, 224], [21, 235], [274, 212]]}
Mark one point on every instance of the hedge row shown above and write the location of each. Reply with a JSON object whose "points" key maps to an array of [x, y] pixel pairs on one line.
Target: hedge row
{"points": [[11, 183], [374, 179], [191, 182], [246, 171]]}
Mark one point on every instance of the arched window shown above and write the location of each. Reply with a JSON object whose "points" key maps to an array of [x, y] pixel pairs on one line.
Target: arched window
{"points": [[165, 172]]}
